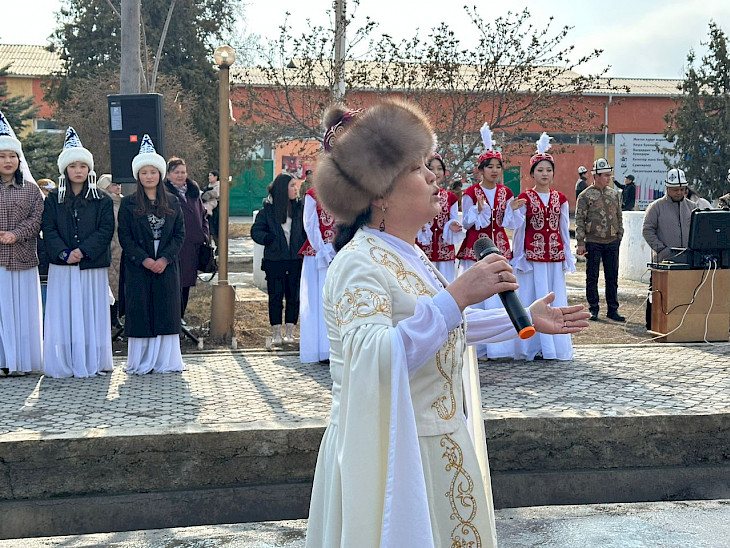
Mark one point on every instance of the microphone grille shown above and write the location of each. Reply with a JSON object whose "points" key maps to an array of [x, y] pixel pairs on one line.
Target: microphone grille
{"points": [[483, 247]]}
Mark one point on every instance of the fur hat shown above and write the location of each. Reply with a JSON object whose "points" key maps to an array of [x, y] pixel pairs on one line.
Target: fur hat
{"points": [[74, 151], [104, 181], [8, 141], [148, 157], [676, 178], [369, 154]]}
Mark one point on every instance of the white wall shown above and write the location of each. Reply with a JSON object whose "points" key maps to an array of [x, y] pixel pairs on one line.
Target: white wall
{"points": [[259, 278], [634, 252]]}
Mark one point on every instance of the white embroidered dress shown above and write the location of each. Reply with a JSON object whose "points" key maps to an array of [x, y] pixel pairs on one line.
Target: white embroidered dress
{"points": [[313, 342], [537, 279], [473, 218], [398, 464]]}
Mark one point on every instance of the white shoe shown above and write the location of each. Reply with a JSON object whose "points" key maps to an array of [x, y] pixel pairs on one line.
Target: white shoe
{"points": [[289, 336], [276, 332]]}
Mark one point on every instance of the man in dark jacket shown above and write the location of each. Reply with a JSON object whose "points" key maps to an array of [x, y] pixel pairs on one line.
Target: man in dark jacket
{"points": [[628, 194], [582, 182]]}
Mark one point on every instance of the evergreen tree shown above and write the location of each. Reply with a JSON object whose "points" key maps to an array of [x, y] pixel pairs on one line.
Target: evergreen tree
{"points": [[40, 149], [88, 39], [698, 126]]}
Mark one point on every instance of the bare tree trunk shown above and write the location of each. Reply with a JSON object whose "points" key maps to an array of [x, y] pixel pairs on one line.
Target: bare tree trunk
{"points": [[130, 70], [338, 92], [159, 47]]}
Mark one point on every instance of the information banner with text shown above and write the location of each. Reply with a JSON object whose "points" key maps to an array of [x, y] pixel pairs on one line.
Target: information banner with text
{"points": [[639, 154]]}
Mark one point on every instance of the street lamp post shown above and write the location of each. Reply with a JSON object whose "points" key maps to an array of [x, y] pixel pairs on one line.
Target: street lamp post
{"points": [[222, 305]]}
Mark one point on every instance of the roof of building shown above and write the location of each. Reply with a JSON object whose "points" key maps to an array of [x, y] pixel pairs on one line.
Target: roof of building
{"points": [[29, 60], [371, 75], [24, 60]]}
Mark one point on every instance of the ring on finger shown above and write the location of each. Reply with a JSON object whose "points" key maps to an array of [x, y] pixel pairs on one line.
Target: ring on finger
{"points": [[499, 277]]}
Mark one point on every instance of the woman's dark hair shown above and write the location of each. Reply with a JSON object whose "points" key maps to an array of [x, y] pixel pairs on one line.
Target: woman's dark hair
{"points": [[439, 160], [81, 195], [344, 233], [485, 163], [173, 162], [214, 173], [690, 192], [160, 208], [279, 192]]}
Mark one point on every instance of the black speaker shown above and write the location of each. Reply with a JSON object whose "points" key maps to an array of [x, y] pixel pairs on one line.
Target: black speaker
{"points": [[130, 117]]}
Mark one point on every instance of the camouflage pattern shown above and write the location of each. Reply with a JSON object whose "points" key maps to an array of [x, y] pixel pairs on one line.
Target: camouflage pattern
{"points": [[724, 201], [598, 216]]}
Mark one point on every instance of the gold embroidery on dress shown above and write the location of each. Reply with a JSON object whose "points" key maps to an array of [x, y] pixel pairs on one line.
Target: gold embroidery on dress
{"points": [[461, 497], [408, 280], [361, 303], [447, 363]]}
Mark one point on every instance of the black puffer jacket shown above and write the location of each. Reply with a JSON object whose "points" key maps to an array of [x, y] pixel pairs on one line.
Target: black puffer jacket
{"points": [[267, 231], [90, 229]]}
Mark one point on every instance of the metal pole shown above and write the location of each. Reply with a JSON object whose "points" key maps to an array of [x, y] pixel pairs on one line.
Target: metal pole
{"points": [[223, 302]]}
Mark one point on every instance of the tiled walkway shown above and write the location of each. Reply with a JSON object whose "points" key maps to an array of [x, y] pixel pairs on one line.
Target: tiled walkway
{"points": [[231, 390]]}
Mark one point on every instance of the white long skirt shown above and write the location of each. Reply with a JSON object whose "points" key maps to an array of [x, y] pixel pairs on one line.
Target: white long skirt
{"points": [[504, 349], [160, 354], [21, 347], [544, 278], [77, 337], [313, 342], [447, 269]]}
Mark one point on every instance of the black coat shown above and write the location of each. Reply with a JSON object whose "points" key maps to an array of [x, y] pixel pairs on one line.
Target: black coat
{"points": [[196, 230], [267, 231], [91, 231], [149, 301]]}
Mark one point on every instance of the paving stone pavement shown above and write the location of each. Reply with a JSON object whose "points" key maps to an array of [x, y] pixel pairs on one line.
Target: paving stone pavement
{"points": [[234, 390]]}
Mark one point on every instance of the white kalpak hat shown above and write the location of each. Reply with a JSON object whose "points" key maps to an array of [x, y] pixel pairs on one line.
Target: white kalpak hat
{"points": [[676, 178], [8, 141], [148, 157], [601, 166], [74, 151]]}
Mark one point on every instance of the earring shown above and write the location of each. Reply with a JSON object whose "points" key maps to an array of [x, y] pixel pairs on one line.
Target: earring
{"points": [[382, 223]]}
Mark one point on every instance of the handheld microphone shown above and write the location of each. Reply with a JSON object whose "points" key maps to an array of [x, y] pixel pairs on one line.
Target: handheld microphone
{"points": [[510, 300]]}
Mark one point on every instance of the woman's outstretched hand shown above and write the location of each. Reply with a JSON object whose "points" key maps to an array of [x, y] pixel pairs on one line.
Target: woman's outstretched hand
{"points": [[556, 321]]}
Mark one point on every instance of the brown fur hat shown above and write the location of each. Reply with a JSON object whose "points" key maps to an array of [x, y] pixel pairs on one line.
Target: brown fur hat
{"points": [[369, 154]]}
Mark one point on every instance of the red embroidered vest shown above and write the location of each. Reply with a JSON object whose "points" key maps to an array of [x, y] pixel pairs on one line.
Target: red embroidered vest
{"points": [[437, 249], [494, 230], [542, 227], [326, 228]]}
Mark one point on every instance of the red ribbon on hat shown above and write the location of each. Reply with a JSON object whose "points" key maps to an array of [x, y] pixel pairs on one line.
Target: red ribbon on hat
{"points": [[540, 156], [489, 154]]}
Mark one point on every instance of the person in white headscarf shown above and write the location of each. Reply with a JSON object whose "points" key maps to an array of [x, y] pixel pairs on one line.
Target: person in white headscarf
{"points": [[78, 224], [21, 204]]}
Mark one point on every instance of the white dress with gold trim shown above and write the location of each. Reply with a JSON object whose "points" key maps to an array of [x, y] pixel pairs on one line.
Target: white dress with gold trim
{"points": [[398, 464]]}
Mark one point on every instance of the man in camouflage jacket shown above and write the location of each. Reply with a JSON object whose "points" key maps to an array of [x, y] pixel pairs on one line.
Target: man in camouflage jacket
{"points": [[598, 231]]}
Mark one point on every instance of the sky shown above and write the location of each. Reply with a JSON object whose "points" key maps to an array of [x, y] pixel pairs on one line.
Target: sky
{"points": [[639, 38]]}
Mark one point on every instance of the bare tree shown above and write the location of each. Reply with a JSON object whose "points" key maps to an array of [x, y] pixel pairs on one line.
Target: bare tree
{"points": [[517, 76], [87, 111]]}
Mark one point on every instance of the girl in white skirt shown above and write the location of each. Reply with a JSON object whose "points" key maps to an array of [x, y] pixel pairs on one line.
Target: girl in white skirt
{"points": [[151, 232], [539, 218], [78, 224], [21, 207]]}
